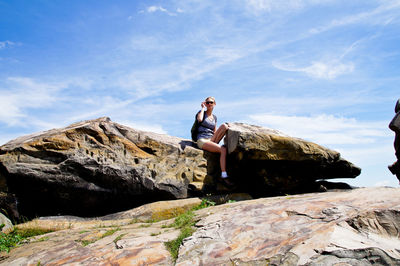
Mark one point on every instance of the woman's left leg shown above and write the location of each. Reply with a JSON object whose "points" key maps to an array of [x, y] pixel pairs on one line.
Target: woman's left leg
{"points": [[220, 133]]}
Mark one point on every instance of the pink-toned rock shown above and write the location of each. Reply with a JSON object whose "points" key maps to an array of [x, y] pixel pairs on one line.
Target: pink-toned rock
{"points": [[357, 227], [304, 229]]}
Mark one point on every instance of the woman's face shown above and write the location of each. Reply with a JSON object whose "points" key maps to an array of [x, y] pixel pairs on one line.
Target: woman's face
{"points": [[210, 102]]}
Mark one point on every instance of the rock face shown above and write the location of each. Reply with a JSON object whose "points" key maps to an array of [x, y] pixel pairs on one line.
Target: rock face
{"points": [[356, 227], [272, 161], [98, 167], [395, 126]]}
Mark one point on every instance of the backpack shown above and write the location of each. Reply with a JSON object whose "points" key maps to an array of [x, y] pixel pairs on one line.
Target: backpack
{"points": [[195, 128]]}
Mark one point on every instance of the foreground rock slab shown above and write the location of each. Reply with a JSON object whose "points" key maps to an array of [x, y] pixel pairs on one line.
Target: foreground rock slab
{"points": [[357, 227]]}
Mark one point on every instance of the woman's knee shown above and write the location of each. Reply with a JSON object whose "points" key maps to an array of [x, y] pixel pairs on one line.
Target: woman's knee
{"points": [[223, 128], [223, 150]]}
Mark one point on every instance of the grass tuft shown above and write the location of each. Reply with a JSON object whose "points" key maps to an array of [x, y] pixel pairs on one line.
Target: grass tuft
{"points": [[11, 240], [185, 223]]}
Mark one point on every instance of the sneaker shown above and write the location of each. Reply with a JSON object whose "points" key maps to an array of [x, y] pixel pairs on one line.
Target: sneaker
{"points": [[227, 182]]}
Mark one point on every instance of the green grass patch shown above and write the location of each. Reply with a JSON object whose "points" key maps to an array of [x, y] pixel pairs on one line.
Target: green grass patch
{"points": [[107, 233], [118, 238], [173, 245], [87, 242], [155, 234], [11, 240], [204, 204], [110, 232], [185, 223]]}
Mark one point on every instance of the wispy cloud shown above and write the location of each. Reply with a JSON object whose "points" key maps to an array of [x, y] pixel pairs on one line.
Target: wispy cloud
{"points": [[6, 44], [319, 69], [325, 129], [382, 15], [19, 96], [153, 9], [176, 76], [383, 183], [21, 93], [271, 5]]}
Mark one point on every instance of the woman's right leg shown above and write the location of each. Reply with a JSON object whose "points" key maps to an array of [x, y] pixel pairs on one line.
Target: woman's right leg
{"points": [[214, 147]]}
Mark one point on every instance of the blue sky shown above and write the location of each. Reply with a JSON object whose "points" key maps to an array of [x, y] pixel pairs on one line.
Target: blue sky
{"points": [[325, 71]]}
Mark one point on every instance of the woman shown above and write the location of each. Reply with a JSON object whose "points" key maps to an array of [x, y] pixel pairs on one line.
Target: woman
{"points": [[209, 136]]}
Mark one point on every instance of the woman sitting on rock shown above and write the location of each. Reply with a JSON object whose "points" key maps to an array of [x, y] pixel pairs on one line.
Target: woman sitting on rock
{"points": [[209, 136]]}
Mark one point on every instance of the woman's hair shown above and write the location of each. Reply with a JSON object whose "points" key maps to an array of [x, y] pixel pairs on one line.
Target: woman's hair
{"points": [[210, 98]]}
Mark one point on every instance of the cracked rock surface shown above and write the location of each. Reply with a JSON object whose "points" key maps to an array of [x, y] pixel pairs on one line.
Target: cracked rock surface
{"points": [[357, 227], [362, 225], [98, 167]]}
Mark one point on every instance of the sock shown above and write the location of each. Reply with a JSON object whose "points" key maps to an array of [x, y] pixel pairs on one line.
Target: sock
{"points": [[224, 175]]}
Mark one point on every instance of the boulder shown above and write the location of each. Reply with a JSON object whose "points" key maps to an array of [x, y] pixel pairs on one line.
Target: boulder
{"points": [[353, 227], [98, 167], [263, 159], [5, 224]]}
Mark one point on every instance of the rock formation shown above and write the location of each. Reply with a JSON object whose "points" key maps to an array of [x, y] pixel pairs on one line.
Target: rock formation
{"points": [[97, 167], [355, 227], [262, 160], [395, 126]]}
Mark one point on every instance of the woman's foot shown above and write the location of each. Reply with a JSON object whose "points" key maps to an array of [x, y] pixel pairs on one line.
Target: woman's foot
{"points": [[227, 182]]}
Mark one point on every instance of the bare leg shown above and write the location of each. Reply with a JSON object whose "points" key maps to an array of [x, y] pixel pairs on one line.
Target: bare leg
{"points": [[220, 133], [222, 159], [214, 147]]}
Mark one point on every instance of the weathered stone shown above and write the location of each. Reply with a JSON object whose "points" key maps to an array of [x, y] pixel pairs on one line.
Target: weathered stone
{"points": [[361, 224], [97, 167], [272, 161], [7, 225], [356, 227], [9, 205]]}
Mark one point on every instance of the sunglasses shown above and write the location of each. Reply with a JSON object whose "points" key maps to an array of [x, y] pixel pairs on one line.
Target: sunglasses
{"points": [[209, 102]]}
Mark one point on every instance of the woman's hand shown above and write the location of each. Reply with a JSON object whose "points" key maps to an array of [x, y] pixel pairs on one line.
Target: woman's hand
{"points": [[203, 105]]}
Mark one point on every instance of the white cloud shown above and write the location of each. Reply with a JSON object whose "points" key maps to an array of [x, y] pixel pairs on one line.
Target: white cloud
{"points": [[21, 93], [152, 9], [6, 44], [382, 15], [175, 76], [270, 5], [383, 183], [325, 129], [321, 70], [144, 126]]}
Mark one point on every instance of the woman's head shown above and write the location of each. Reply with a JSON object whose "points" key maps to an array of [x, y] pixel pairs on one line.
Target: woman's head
{"points": [[210, 101]]}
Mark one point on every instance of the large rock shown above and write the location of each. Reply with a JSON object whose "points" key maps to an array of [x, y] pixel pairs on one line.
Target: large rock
{"points": [[356, 227], [267, 160], [97, 167]]}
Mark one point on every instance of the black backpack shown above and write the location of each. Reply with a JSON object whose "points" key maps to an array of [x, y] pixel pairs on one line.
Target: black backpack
{"points": [[195, 128]]}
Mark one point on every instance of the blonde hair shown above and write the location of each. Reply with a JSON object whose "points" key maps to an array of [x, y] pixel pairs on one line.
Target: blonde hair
{"points": [[211, 98]]}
